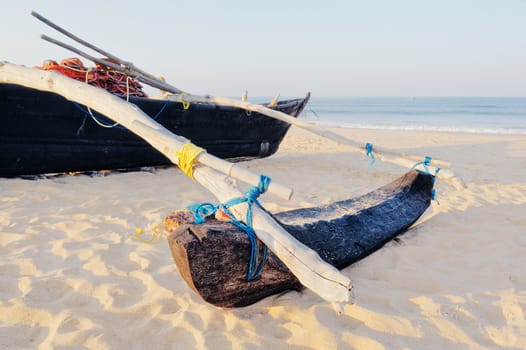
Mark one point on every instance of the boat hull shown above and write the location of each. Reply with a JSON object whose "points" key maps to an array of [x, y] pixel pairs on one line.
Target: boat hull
{"points": [[44, 133], [213, 257]]}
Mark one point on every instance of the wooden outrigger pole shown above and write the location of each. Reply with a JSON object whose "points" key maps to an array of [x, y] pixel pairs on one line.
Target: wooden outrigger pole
{"points": [[382, 154], [307, 266]]}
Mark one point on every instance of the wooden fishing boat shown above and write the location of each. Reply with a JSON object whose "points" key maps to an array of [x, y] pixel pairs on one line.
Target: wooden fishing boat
{"points": [[213, 257], [43, 132]]}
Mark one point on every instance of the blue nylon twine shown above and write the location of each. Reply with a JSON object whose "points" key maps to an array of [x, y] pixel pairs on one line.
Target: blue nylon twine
{"points": [[425, 163], [201, 211], [205, 209], [369, 152]]}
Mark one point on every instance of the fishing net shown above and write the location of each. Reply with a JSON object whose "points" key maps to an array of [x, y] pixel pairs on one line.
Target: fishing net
{"points": [[100, 76]]}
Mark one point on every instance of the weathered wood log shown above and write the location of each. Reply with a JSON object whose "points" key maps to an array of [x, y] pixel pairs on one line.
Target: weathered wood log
{"points": [[213, 257]]}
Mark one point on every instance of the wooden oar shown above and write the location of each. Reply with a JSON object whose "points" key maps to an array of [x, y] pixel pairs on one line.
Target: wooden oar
{"points": [[127, 67], [310, 269]]}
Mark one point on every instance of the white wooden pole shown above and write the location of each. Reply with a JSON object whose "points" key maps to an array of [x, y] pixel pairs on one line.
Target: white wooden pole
{"points": [[320, 277], [380, 153], [310, 269], [383, 154]]}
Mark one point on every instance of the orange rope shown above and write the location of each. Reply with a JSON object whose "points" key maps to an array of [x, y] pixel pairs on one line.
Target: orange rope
{"points": [[100, 76]]}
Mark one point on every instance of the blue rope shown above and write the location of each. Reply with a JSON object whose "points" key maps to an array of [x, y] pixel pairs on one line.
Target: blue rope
{"points": [[205, 209], [80, 107], [201, 211], [369, 152], [425, 163], [161, 110]]}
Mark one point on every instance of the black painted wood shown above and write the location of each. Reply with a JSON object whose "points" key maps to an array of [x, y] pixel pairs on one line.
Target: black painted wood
{"points": [[43, 133], [213, 257]]}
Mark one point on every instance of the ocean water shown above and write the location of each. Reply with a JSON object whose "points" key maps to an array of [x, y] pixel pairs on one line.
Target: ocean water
{"points": [[488, 115]]}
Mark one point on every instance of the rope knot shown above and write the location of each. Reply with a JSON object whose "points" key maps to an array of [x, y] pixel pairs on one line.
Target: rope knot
{"points": [[201, 211], [427, 160], [187, 157], [254, 192], [185, 103], [369, 152], [426, 163]]}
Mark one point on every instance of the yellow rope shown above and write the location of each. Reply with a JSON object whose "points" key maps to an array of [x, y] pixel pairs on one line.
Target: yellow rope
{"points": [[186, 104], [187, 158], [164, 94], [152, 237]]}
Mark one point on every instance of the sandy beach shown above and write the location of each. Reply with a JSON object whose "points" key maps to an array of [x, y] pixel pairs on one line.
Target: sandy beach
{"points": [[73, 277]]}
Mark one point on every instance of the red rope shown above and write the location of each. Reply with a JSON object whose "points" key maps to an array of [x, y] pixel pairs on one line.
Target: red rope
{"points": [[100, 76]]}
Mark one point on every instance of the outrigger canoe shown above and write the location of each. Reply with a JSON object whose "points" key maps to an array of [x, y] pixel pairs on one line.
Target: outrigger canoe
{"points": [[43, 132], [212, 257]]}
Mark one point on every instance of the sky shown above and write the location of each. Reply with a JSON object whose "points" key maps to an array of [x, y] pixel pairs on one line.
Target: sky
{"points": [[331, 48]]}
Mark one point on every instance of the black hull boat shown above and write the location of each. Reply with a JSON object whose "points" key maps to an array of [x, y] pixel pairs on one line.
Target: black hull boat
{"points": [[44, 133], [213, 257]]}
